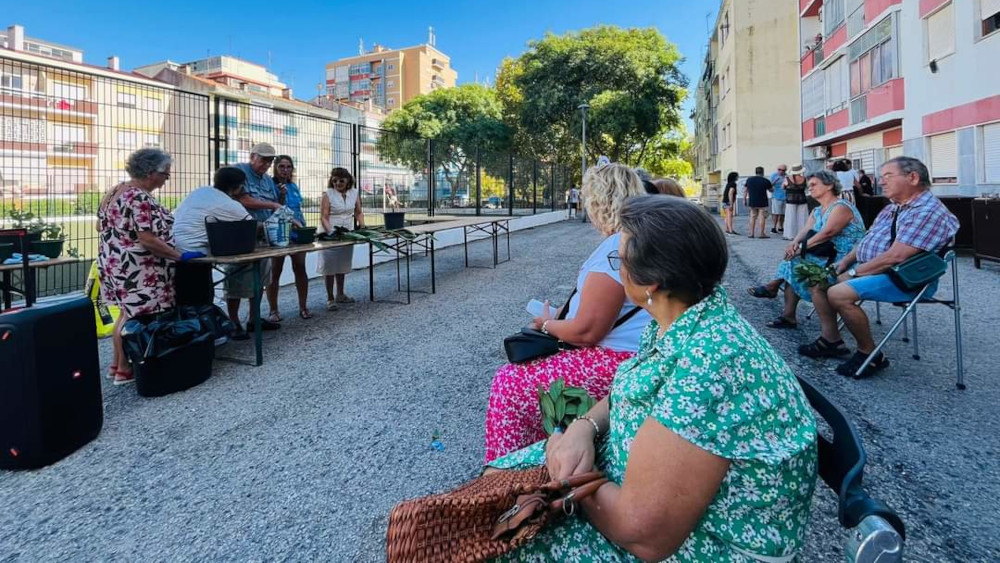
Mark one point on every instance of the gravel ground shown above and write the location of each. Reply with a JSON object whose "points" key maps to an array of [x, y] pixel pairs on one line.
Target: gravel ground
{"points": [[302, 458]]}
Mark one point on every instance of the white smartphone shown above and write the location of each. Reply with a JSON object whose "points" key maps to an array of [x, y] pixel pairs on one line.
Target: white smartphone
{"points": [[535, 308]]}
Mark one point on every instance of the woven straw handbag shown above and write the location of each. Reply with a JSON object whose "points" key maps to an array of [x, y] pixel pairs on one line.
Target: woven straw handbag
{"points": [[484, 518]]}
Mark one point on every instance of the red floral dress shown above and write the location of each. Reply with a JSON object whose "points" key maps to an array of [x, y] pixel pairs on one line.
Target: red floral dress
{"points": [[131, 276]]}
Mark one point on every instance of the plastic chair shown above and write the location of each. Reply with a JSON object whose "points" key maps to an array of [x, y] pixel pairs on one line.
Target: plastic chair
{"points": [[876, 532], [910, 308]]}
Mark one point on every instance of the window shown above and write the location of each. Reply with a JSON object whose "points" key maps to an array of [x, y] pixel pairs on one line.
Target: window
{"points": [[837, 86], [941, 33], [893, 152], [991, 153], [724, 29], [944, 158], [989, 11], [392, 101], [66, 91], [873, 67], [126, 100], [392, 66], [62, 134], [127, 139], [729, 81], [813, 101], [153, 140], [12, 81], [153, 104], [391, 83], [833, 16], [22, 129]]}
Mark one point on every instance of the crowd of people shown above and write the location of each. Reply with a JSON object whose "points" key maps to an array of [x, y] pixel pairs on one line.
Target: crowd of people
{"points": [[145, 250]]}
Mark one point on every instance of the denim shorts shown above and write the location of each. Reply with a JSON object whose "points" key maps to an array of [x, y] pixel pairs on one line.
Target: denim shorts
{"points": [[881, 288]]}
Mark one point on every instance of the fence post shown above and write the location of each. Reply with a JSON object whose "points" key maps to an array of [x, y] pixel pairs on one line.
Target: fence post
{"points": [[214, 139], [552, 187], [534, 187], [479, 183], [356, 154], [510, 185], [430, 177]]}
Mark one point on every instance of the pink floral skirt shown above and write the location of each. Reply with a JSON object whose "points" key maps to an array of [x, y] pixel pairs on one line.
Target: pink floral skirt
{"points": [[514, 420]]}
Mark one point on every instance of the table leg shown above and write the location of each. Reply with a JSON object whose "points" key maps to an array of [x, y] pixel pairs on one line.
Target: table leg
{"points": [[407, 276], [495, 235], [255, 315], [7, 281], [433, 283], [507, 231], [465, 235], [371, 273], [399, 283]]}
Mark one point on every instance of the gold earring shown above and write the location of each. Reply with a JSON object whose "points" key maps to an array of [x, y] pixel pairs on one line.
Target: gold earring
{"points": [[649, 299]]}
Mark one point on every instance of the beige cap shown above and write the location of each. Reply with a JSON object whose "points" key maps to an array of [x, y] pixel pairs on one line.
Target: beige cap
{"points": [[797, 170], [263, 149]]}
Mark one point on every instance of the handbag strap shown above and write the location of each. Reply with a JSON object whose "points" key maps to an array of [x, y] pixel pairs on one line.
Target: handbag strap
{"points": [[565, 309]]}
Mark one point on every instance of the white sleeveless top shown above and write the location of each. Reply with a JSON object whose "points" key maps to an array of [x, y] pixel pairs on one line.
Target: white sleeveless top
{"points": [[342, 207]]}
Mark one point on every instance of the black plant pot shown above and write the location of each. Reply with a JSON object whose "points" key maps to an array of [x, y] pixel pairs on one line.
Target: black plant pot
{"points": [[395, 220], [6, 251], [48, 248]]}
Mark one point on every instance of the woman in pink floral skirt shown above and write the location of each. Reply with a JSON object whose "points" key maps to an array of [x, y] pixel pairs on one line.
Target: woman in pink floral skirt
{"points": [[513, 420]]}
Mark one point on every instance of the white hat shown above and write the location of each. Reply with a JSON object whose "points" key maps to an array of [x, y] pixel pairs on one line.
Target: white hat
{"points": [[263, 149]]}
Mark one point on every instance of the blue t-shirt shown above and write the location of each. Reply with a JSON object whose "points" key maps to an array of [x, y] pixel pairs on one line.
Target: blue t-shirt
{"points": [[294, 201], [259, 186], [778, 181]]}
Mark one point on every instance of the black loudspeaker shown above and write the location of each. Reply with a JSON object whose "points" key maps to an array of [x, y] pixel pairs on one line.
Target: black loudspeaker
{"points": [[50, 382]]}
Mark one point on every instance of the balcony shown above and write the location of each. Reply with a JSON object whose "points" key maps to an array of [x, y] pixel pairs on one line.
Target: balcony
{"points": [[438, 64], [809, 8], [41, 102], [21, 148], [76, 148]]}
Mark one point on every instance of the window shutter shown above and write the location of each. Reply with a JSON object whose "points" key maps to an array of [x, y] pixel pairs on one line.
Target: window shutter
{"points": [[944, 158], [893, 152], [991, 152], [988, 7], [941, 32]]}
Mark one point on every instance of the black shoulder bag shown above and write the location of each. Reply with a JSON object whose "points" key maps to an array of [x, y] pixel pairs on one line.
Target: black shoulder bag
{"points": [[916, 271], [531, 344]]}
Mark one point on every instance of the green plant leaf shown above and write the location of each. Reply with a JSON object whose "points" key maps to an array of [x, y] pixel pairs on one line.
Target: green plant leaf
{"points": [[548, 426], [560, 408], [557, 387], [548, 407]]}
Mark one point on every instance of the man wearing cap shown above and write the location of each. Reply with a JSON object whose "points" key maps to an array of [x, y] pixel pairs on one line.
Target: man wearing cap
{"points": [[261, 198]]}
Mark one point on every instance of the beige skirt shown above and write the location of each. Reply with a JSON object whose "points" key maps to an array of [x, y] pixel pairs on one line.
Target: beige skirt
{"points": [[335, 261]]}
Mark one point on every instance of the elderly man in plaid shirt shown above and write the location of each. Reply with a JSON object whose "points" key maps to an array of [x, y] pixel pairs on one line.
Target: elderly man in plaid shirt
{"points": [[914, 221]]}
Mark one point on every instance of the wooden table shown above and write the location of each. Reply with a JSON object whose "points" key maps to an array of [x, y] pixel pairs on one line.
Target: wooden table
{"points": [[27, 289], [251, 261]]}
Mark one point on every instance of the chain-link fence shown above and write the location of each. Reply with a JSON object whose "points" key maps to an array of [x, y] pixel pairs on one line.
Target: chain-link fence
{"points": [[66, 133]]}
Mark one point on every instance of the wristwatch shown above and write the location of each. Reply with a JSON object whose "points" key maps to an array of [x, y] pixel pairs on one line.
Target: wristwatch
{"points": [[852, 272]]}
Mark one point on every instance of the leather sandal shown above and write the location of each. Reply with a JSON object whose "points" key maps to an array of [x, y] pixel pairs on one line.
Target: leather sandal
{"points": [[823, 348], [781, 322]]}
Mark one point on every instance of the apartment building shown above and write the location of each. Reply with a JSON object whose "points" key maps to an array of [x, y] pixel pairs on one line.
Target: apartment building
{"points": [[747, 95], [226, 70], [390, 77], [882, 78]]}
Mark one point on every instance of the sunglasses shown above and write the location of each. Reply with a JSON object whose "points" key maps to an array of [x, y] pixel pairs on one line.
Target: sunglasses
{"points": [[614, 260]]}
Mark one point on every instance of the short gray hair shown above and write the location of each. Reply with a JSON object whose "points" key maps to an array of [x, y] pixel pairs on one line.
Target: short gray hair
{"points": [[144, 162], [908, 165], [673, 244], [827, 178]]}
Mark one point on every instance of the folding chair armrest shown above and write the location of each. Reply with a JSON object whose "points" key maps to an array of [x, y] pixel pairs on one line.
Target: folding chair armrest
{"points": [[857, 506], [874, 540]]}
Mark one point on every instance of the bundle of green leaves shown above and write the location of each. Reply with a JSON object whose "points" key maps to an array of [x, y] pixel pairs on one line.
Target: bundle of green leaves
{"points": [[814, 275], [561, 404]]}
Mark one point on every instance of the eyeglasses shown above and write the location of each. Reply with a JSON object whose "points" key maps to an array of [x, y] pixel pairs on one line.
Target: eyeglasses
{"points": [[164, 174], [267, 159], [614, 260], [888, 175]]}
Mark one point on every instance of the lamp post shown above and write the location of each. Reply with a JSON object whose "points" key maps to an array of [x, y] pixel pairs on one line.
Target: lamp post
{"points": [[583, 140]]}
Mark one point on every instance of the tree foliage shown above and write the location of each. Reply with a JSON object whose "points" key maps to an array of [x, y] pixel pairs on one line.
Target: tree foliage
{"points": [[460, 120], [629, 78]]}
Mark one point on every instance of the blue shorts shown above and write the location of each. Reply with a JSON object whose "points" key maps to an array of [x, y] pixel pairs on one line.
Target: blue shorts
{"points": [[881, 288]]}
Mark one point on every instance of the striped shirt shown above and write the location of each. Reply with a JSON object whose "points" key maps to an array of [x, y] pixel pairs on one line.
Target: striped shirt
{"points": [[924, 223]]}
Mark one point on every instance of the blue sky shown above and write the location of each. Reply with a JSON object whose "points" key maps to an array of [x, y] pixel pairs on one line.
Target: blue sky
{"points": [[300, 37]]}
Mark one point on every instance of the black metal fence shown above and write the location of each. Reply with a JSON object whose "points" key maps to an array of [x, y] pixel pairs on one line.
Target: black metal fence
{"points": [[65, 134]]}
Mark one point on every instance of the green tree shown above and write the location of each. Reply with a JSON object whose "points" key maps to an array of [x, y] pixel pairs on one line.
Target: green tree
{"points": [[666, 156], [629, 77], [459, 120]]}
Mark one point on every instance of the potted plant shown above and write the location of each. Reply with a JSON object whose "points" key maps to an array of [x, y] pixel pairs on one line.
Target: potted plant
{"points": [[53, 238], [394, 219]]}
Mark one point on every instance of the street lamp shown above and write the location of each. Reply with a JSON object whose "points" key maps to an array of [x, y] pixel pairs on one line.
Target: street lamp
{"points": [[583, 140]]}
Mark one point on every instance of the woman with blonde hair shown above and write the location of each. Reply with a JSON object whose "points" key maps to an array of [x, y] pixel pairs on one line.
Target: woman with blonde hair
{"points": [[601, 325]]}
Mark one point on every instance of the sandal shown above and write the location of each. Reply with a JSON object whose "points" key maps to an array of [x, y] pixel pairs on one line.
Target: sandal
{"points": [[781, 322], [274, 317], [850, 367], [823, 348], [331, 305], [761, 292], [123, 377], [305, 314], [345, 299]]}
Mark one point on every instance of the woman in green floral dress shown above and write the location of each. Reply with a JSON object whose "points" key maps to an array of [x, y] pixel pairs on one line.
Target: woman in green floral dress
{"points": [[706, 437]]}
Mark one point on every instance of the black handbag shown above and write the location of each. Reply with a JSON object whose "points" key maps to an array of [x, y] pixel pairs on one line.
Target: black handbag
{"points": [[531, 344], [916, 271], [822, 250]]}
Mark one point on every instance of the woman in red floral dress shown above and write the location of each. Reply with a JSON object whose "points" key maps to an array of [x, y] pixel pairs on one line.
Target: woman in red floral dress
{"points": [[513, 420], [136, 247]]}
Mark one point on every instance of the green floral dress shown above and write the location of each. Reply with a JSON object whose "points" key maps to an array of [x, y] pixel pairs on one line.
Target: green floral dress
{"points": [[717, 383]]}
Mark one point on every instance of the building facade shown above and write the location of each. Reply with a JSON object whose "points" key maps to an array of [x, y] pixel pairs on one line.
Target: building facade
{"points": [[747, 95], [884, 78], [389, 78], [226, 70]]}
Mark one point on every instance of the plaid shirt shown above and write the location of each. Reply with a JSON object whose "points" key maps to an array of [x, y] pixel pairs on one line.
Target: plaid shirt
{"points": [[923, 223]]}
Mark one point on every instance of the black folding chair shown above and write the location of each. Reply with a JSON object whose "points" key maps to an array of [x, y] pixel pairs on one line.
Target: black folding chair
{"points": [[876, 531]]}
